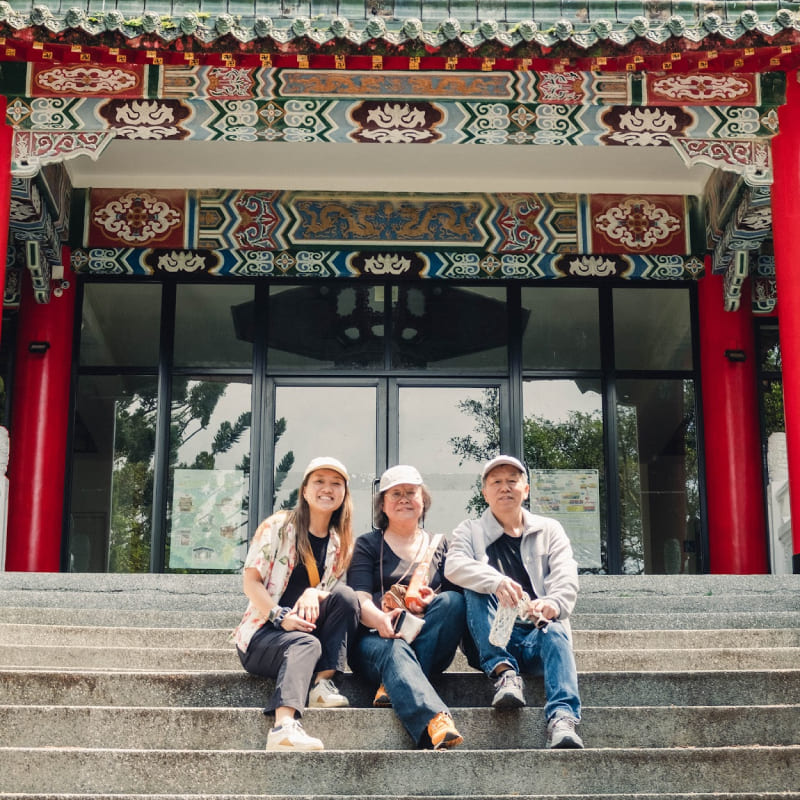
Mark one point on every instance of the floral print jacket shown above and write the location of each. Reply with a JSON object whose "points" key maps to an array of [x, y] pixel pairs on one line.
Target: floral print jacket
{"points": [[272, 552]]}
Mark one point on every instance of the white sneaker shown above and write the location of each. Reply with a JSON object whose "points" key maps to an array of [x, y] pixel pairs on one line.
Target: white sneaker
{"points": [[561, 734], [291, 736], [325, 695]]}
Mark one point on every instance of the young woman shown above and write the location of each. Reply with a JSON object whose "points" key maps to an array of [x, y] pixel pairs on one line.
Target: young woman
{"points": [[300, 616], [389, 555]]}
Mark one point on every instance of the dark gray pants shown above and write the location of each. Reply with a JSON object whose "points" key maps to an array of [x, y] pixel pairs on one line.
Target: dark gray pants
{"points": [[292, 658]]}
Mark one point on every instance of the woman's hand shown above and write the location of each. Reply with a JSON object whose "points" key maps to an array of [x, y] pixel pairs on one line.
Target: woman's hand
{"points": [[293, 622], [420, 603], [307, 605], [385, 624]]}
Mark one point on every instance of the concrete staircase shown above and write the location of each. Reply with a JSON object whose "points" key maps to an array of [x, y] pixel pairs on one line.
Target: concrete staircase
{"points": [[127, 687]]}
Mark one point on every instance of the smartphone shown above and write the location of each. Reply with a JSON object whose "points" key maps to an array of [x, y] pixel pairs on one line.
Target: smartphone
{"points": [[408, 626]]}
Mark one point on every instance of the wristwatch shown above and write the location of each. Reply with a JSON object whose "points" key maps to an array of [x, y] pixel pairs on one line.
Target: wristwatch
{"points": [[276, 615]]}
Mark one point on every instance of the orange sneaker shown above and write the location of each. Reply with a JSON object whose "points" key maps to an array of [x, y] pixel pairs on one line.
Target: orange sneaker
{"points": [[443, 732], [382, 699]]}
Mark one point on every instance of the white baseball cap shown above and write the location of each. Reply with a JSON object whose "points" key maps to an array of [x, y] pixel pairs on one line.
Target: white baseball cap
{"points": [[326, 462], [402, 473], [499, 461]]}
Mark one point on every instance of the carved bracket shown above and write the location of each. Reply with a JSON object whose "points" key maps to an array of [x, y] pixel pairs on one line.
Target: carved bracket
{"points": [[33, 149], [751, 158]]}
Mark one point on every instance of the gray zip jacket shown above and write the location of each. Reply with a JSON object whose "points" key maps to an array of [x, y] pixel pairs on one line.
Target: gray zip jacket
{"points": [[546, 553]]}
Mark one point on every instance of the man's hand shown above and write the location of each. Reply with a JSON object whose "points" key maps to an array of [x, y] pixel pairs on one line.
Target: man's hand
{"points": [[541, 608], [508, 592]]}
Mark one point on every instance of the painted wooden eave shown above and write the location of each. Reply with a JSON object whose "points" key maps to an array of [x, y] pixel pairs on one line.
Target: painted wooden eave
{"points": [[536, 27]]}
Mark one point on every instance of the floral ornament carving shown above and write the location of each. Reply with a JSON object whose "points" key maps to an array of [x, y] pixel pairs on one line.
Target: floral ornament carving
{"points": [[146, 119], [181, 261], [386, 264], [592, 267], [697, 88], [645, 127], [637, 224], [396, 123], [81, 80], [136, 218]]}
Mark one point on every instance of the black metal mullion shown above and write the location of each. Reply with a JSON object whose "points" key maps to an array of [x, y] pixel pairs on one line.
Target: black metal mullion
{"points": [[262, 425], [162, 443], [610, 449], [513, 419]]}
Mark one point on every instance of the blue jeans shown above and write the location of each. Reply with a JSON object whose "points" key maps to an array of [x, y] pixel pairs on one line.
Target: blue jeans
{"points": [[528, 651], [404, 669]]}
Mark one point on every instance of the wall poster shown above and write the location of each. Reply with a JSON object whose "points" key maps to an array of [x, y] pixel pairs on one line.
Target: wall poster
{"points": [[572, 496], [209, 520]]}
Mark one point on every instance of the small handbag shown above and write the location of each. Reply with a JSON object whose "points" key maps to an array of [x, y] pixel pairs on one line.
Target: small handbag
{"points": [[409, 597]]}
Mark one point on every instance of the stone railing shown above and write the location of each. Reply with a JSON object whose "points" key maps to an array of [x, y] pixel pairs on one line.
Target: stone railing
{"points": [[780, 514]]}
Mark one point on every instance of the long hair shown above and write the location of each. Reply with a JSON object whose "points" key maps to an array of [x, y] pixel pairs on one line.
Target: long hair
{"points": [[341, 522], [379, 518]]}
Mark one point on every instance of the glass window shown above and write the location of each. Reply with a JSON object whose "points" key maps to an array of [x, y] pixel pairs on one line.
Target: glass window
{"points": [[447, 433], [326, 326], [338, 421], [112, 476], [560, 328], [449, 327], [120, 325], [214, 325], [659, 492], [562, 433], [652, 329], [208, 487]]}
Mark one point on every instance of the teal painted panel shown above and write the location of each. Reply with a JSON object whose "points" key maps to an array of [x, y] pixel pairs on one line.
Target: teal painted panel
{"points": [[686, 9], [576, 11], [162, 7], [602, 9], [408, 9], [547, 11]]}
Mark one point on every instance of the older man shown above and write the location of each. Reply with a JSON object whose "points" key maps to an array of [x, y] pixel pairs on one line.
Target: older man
{"points": [[499, 559]]}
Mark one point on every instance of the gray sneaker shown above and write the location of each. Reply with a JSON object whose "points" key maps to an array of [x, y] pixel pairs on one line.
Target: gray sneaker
{"points": [[561, 734], [508, 691]]}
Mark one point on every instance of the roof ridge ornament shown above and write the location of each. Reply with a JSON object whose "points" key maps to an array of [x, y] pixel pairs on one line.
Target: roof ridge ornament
{"points": [[397, 31]]}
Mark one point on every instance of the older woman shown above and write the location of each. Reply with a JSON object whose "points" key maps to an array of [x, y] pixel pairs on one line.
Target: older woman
{"points": [[388, 555], [297, 624]]}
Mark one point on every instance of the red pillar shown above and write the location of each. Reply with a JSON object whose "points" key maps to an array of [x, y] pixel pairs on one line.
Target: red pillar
{"points": [[737, 536], [785, 227], [5, 191], [40, 420]]}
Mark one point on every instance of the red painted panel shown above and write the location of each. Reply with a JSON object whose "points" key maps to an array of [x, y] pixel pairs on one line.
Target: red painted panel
{"points": [[137, 218]]}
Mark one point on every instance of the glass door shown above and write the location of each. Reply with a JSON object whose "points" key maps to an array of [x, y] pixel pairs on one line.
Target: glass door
{"points": [[339, 421], [447, 432]]}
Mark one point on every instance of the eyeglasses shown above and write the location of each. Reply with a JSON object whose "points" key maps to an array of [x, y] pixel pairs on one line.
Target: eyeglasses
{"points": [[396, 495]]}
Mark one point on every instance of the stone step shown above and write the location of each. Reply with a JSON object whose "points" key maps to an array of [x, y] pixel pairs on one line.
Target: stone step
{"points": [[516, 796], [240, 690], [460, 772], [227, 620], [61, 635], [379, 729], [606, 594], [159, 659]]}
